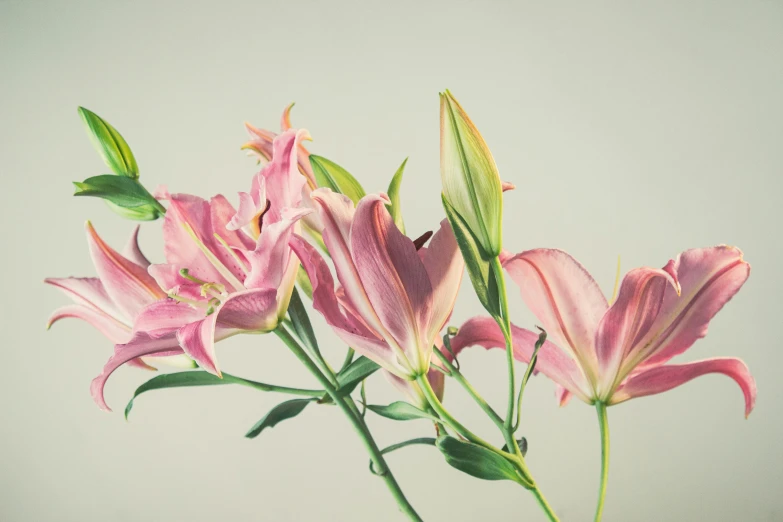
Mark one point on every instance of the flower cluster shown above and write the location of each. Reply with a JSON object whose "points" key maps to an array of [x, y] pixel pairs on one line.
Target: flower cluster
{"points": [[306, 223]]}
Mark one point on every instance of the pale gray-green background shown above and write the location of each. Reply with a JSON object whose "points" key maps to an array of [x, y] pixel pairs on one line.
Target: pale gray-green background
{"points": [[632, 128]]}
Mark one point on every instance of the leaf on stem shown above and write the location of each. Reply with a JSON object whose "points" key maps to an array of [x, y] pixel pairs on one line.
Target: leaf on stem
{"points": [[478, 461], [283, 411], [401, 411], [394, 197], [110, 145]]}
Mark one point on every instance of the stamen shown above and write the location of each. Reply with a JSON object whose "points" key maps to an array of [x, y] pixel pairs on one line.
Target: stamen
{"points": [[216, 290], [233, 254], [220, 267], [616, 282], [418, 243], [191, 302], [186, 274]]}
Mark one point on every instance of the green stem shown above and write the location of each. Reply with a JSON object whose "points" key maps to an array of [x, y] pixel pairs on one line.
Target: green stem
{"points": [[349, 408], [483, 404], [603, 423], [453, 423], [505, 326]]}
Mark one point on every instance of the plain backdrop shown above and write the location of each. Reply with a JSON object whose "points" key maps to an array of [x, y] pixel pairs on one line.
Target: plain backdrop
{"points": [[637, 129]]}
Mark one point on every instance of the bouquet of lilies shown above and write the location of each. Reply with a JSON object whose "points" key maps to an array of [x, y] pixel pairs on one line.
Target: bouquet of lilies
{"points": [[306, 238]]}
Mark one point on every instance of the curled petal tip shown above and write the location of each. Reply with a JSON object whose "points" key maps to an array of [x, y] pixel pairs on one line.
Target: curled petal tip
{"points": [[507, 185]]}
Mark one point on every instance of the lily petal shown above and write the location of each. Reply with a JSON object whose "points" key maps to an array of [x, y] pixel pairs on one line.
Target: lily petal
{"points": [[551, 361], [222, 215], [284, 183], [709, 278], [115, 331], [445, 266], [88, 291], [564, 298], [128, 285], [132, 250], [269, 262], [140, 345], [353, 332], [629, 319], [394, 278], [664, 378]]}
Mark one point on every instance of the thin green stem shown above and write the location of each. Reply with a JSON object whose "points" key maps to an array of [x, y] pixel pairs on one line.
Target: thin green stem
{"points": [[505, 326], [483, 404], [349, 408], [603, 424], [528, 371], [453, 423]]}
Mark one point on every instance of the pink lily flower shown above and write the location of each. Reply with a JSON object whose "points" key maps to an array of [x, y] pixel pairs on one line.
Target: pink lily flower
{"points": [[227, 271], [393, 300], [260, 144], [112, 301], [613, 353]]}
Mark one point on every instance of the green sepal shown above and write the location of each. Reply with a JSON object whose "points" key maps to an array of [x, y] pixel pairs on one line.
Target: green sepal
{"points": [[110, 145], [331, 175], [477, 261], [283, 411], [478, 461], [394, 197], [401, 411]]}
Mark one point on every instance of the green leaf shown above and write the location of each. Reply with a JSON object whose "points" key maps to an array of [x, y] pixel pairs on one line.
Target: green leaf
{"points": [[478, 461], [394, 196], [123, 192], [203, 378], [302, 325], [330, 174], [110, 145], [355, 373], [304, 282], [284, 410], [477, 261], [401, 411]]}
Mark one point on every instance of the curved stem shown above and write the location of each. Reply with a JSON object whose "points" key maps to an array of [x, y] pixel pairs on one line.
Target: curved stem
{"points": [[349, 408], [603, 423]]}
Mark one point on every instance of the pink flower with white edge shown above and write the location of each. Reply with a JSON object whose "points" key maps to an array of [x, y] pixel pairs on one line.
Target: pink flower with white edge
{"points": [[393, 300], [227, 271], [613, 353], [112, 301]]}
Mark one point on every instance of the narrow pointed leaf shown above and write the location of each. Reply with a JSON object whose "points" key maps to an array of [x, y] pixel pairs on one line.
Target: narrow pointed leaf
{"points": [[302, 325], [478, 461], [203, 378], [110, 145], [401, 411], [283, 411], [394, 197], [355, 373], [330, 174], [477, 261]]}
